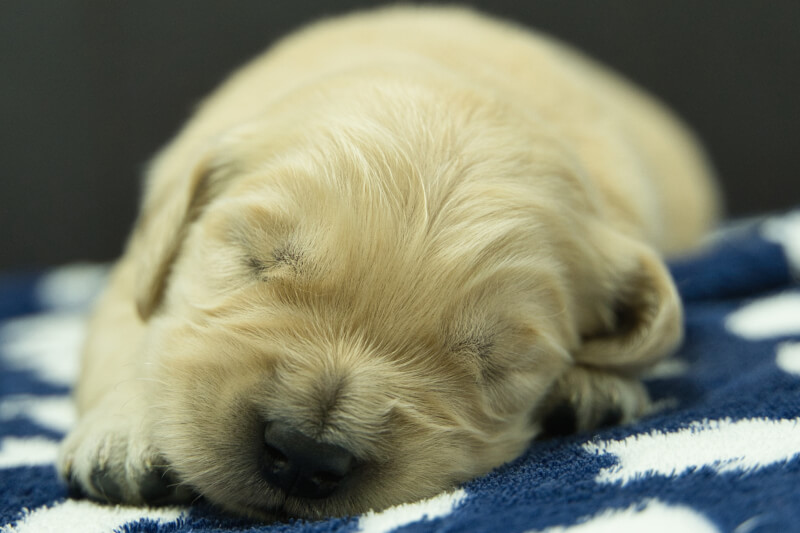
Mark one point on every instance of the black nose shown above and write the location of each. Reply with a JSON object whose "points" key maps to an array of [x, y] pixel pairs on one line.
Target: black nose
{"points": [[302, 466]]}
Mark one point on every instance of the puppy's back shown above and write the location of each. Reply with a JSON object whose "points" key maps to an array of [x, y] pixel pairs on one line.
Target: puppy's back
{"points": [[654, 178]]}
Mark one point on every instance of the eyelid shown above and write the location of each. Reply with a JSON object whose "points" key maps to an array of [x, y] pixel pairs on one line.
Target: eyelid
{"points": [[480, 346], [284, 258]]}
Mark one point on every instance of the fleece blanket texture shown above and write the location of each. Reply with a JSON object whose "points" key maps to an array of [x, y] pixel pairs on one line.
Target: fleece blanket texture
{"points": [[721, 453]]}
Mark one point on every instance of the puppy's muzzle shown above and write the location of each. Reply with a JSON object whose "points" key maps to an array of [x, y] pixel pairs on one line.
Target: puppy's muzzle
{"points": [[301, 466]]}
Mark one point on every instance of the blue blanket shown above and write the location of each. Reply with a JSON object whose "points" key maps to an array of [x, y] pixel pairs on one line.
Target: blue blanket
{"points": [[721, 453]]}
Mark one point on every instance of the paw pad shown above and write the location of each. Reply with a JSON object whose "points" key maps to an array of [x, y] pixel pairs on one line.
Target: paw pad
{"points": [[560, 421], [157, 487], [103, 483]]}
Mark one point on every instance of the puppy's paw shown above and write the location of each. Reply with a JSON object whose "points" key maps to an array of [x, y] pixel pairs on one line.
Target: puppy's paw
{"points": [[585, 399], [110, 458]]}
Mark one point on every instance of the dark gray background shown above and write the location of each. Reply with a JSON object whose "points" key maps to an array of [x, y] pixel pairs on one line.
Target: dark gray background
{"points": [[90, 89]]}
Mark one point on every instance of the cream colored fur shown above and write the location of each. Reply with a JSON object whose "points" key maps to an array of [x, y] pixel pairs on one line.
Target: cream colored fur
{"points": [[411, 233]]}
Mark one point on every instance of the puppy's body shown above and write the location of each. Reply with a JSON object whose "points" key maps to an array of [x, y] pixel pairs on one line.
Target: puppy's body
{"points": [[407, 235]]}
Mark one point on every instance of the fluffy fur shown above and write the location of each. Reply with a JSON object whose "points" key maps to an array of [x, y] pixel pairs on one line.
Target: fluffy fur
{"points": [[416, 234]]}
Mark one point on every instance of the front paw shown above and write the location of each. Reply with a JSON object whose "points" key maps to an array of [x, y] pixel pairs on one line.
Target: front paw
{"points": [[584, 399], [109, 457]]}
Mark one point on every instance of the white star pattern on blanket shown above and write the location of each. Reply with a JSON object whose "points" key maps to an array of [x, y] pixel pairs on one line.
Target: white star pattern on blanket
{"points": [[721, 445]]}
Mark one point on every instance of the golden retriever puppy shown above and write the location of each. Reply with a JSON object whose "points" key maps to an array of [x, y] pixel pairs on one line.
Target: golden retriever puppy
{"points": [[377, 262]]}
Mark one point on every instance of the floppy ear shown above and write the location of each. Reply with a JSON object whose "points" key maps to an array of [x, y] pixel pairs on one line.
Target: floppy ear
{"points": [[173, 199], [637, 322], [641, 319]]}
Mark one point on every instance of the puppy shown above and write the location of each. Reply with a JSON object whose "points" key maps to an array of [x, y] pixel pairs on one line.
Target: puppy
{"points": [[378, 261]]}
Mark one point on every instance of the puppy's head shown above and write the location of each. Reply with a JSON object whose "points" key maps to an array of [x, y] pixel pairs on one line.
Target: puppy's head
{"points": [[353, 306]]}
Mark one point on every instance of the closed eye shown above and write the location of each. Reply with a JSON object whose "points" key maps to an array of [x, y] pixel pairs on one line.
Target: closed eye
{"points": [[285, 259], [480, 353], [479, 347]]}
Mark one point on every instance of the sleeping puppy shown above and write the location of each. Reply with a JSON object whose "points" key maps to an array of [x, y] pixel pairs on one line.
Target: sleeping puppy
{"points": [[378, 261]]}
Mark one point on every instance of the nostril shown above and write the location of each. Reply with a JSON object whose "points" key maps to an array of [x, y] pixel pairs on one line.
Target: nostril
{"points": [[275, 454], [275, 459], [326, 481], [302, 466]]}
